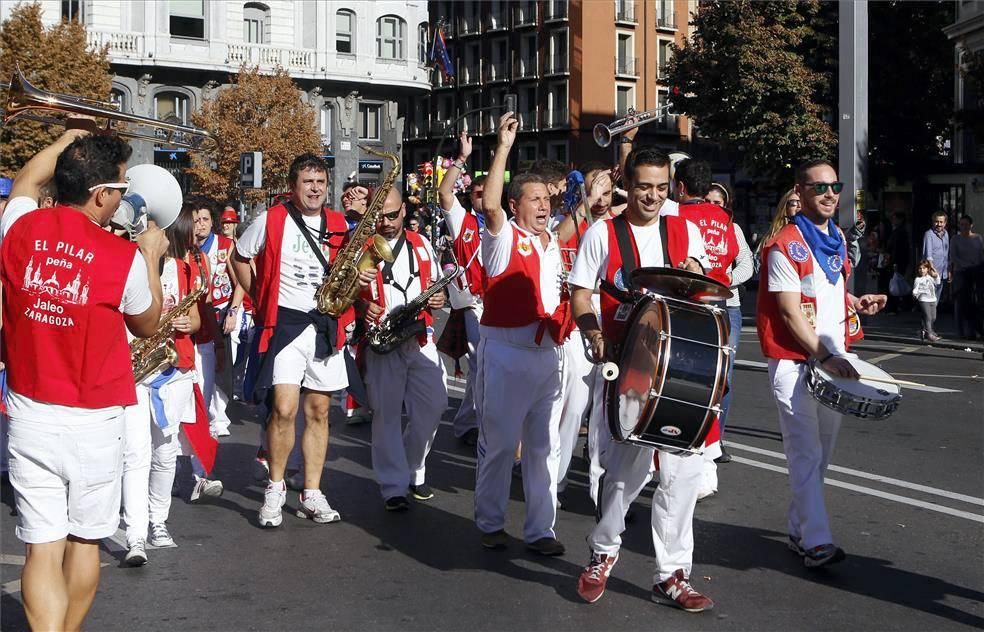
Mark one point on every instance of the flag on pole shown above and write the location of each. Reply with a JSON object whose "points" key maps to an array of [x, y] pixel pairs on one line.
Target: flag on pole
{"points": [[439, 53]]}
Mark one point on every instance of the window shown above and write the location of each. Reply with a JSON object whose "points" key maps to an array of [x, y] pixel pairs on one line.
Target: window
{"points": [[472, 121], [665, 15], [172, 107], [664, 55], [472, 64], [557, 151], [527, 108], [496, 69], [422, 37], [527, 155], [369, 121], [324, 125], [497, 15], [73, 10], [527, 60], [556, 9], [625, 54], [625, 10], [344, 32], [624, 100], [256, 23], [558, 51], [118, 98], [187, 18], [391, 34], [557, 104]]}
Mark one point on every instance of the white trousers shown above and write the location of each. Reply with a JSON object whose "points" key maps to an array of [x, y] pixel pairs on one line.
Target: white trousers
{"points": [[467, 418], [629, 468], [809, 432], [240, 342], [205, 363], [578, 382], [599, 437], [518, 398], [414, 376]]}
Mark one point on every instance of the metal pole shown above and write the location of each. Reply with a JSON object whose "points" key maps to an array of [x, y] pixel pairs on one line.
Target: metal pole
{"points": [[853, 107]]}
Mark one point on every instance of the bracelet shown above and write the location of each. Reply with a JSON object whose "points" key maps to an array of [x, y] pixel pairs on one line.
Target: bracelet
{"points": [[625, 141], [460, 164], [828, 356]]}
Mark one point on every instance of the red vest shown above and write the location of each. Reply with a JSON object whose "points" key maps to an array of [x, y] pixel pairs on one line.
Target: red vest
{"points": [[718, 233], [218, 259], [65, 339], [776, 340], [512, 299], [267, 290], [184, 343], [465, 248], [679, 245], [416, 245]]}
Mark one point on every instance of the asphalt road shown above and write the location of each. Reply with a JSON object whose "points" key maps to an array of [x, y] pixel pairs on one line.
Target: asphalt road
{"points": [[906, 497]]}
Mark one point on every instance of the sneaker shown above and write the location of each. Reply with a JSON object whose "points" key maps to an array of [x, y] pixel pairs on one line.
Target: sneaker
{"points": [[677, 591], [591, 584], [497, 540], [421, 492], [705, 493], [137, 553], [725, 457], [315, 506], [934, 337], [159, 536], [470, 438], [549, 547], [273, 500], [295, 481], [205, 488], [396, 503], [822, 555], [261, 470], [358, 416]]}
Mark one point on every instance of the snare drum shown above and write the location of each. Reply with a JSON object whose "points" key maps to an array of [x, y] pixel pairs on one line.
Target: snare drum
{"points": [[673, 368], [861, 398]]}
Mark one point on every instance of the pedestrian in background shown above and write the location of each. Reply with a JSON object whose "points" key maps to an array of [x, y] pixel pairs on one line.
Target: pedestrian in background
{"points": [[924, 291], [936, 248], [966, 267]]}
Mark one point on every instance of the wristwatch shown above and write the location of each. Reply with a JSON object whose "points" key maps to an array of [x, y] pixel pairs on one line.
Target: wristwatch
{"points": [[460, 164]]}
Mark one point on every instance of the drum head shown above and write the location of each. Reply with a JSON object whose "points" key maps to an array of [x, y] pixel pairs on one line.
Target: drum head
{"points": [[631, 392], [680, 284], [862, 388]]}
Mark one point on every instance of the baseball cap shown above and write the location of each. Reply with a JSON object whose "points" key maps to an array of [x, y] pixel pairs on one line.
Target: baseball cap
{"points": [[229, 216], [6, 184]]}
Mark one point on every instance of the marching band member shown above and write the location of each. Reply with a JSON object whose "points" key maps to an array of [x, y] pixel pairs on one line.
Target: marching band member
{"points": [[229, 222], [611, 248], [70, 291], [524, 325], [411, 375], [301, 347], [238, 322], [465, 230], [804, 313]]}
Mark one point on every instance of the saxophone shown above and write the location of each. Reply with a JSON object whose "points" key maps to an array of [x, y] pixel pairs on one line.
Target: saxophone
{"points": [[401, 323], [148, 355], [364, 250]]}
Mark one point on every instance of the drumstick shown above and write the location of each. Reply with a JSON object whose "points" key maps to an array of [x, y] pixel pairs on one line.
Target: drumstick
{"points": [[888, 380]]}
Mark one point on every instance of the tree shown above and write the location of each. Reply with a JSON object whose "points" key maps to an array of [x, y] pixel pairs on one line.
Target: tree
{"points": [[257, 113], [744, 80], [53, 59]]}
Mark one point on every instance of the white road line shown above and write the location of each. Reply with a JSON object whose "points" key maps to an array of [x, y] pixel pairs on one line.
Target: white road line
{"points": [[873, 477], [871, 492], [7, 558], [11, 588], [922, 387], [941, 375], [889, 356], [752, 363]]}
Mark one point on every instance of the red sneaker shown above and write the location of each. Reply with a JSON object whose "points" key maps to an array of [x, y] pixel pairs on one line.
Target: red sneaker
{"points": [[677, 591], [594, 577]]}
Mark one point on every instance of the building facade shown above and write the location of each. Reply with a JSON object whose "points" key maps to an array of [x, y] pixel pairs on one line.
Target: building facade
{"points": [[358, 64], [571, 64]]}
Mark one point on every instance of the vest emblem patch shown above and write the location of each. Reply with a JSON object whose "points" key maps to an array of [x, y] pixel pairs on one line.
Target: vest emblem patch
{"points": [[810, 311], [798, 251], [524, 246], [853, 324], [468, 235]]}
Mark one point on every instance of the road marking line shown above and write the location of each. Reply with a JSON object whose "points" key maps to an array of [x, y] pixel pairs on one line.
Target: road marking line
{"points": [[889, 356], [7, 558], [871, 492], [12, 587], [922, 387], [873, 477], [951, 377], [752, 363]]}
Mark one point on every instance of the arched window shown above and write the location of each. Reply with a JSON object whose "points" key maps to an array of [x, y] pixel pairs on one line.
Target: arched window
{"points": [[422, 37], [345, 31], [256, 23], [391, 36], [118, 98]]}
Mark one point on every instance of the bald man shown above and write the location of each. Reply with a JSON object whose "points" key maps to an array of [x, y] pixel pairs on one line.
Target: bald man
{"points": [[411, 374]]}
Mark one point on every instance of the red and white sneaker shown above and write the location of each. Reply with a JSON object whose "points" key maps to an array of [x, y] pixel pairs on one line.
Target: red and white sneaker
{"points": [[594, 577], [677, 591]]}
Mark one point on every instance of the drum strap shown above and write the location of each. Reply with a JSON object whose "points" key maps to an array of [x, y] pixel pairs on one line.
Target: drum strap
{"points": [[627, 250]]}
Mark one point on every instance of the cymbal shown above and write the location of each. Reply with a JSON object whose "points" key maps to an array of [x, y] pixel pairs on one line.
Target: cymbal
{"points": [[680, 283]]}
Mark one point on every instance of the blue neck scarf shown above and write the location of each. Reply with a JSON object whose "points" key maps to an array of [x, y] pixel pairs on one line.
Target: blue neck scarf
{"points": [[207, 244], [829, 248]]}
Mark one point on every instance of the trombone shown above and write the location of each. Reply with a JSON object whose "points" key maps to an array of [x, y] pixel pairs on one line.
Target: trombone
{"points": [[603, 134], [22, 97]]}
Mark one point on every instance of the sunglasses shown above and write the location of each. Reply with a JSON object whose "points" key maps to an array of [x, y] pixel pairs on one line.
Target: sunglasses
{"points": [[792, 203], [821, 187], [123, 187]]}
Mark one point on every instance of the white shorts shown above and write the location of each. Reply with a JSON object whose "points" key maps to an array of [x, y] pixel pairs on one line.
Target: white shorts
{"points": [[67, 477], [295, 364]]}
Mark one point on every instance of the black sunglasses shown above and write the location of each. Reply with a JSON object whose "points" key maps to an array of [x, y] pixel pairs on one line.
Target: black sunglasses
{"points": [[821, 187]]}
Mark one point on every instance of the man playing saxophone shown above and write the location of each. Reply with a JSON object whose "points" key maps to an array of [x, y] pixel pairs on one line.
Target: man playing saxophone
{"points": [[301, 347], [411, 373]]}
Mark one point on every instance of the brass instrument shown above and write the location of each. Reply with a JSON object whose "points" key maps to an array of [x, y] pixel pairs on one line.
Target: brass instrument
{"points": [[22, 97], [364, 251], [148, 355], [402, 323], [603, 134]]}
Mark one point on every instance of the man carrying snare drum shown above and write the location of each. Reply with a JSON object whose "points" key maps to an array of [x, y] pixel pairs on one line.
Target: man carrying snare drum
{"points": [[805, 313]]}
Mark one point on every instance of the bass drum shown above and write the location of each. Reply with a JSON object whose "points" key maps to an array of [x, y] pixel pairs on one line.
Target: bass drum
{"points": [[673, 369]]}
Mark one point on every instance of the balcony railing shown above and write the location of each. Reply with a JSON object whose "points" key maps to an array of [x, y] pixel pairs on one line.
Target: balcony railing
{"points": [[496, 71], [667, 21], [489, 120], [120, 44], [271, 56], [626, 66], [555, 118], [524, 16], [470, 75], [625, 11], [557, 65], [527, 121], [556, 10], [497, 21], [469, 25], [525, 69]]}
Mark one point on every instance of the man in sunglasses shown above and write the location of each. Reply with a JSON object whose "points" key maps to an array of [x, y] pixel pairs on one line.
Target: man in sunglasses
{"points": [[70, 290], [412, 374], [805, 314]]}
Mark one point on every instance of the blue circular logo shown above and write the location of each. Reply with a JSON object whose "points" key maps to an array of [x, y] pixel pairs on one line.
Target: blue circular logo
{"points": [[619, 280], [798, 251], [835, 262]]}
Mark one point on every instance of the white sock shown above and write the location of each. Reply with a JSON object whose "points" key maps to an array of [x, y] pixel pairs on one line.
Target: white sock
{"points": [[308, 492]]}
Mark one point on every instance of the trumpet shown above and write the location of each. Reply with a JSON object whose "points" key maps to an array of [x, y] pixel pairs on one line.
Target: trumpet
{"points": [[22, 98], [603, 134]]}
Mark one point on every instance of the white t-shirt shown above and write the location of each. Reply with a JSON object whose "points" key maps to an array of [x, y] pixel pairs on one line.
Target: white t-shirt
{"points": [[830, 297], [592, 256], [459, 293], [393, 296], [498, 249], [300, 271]]}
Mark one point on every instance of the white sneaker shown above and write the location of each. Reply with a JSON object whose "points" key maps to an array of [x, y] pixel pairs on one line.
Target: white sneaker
{"points": [[315, 506], [273, 499], [137, 553], [159, 536], [205, 488]]}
